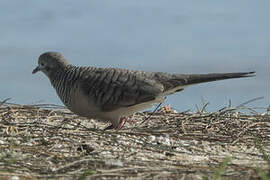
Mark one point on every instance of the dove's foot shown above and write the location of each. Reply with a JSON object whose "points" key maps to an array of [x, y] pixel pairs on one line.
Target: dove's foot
{"points": [[122, 122]]}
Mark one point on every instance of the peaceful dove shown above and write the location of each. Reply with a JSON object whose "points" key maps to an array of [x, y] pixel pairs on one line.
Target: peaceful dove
{"points": [[112, 94]]}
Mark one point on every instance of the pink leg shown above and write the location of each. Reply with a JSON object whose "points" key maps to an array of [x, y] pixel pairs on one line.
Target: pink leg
{"points": [[122, 122]]}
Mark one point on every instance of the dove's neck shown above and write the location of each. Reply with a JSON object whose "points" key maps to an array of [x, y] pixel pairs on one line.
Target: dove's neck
{"points": [[63, 80]]}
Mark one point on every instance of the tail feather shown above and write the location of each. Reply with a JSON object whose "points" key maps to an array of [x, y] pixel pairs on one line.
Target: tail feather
{"points": [[179, 81], [200, 78]]}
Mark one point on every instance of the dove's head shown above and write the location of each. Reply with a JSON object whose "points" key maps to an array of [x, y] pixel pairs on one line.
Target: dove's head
{"points": [[50, 62]]}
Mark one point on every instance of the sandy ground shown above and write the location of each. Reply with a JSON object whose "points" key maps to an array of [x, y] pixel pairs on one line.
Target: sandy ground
{"points": [[41, 143]]}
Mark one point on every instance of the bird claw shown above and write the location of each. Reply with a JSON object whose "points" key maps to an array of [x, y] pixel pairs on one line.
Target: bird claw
{"points": [[122, 122]]}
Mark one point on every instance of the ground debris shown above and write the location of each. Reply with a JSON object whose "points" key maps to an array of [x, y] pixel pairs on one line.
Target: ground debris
{"points": [[44, 143]]}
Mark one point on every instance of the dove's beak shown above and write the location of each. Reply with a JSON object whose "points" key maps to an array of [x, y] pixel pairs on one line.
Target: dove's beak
{"points": [[36, 70]]}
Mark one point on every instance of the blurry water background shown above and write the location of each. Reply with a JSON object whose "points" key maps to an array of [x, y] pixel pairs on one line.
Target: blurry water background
{"points": [[156, 35]]}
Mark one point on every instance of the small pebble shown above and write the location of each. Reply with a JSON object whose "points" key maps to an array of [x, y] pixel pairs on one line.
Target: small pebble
{"points": [[15, 178], [114, 162]]}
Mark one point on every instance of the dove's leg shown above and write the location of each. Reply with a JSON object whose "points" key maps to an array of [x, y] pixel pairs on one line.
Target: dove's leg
{"points": [[122, 122]]}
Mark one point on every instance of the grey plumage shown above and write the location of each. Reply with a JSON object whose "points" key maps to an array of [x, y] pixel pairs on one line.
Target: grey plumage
{"points": [[109, 94]]}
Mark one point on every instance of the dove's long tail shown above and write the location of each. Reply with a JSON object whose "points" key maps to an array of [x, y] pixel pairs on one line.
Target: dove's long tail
{"points": [[200, 78], [179, 81]]}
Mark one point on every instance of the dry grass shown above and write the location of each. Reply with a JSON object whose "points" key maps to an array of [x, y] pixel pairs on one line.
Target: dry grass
{"points": [[38, 143]]}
